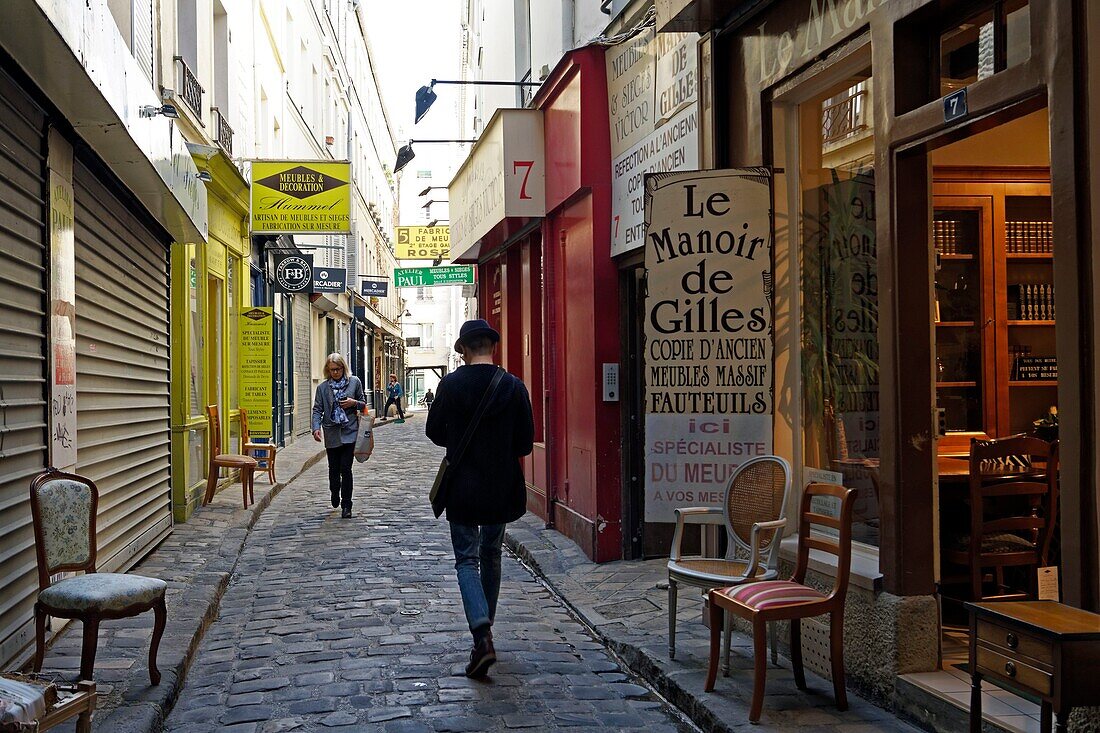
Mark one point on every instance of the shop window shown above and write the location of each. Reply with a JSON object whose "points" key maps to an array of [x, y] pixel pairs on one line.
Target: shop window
{"points": [[195, 451], [233, 307], [839, 294], [994, 39]]}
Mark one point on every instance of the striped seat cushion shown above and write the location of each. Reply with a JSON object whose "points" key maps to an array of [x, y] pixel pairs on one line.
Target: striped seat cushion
{"points": [[771, 594]]}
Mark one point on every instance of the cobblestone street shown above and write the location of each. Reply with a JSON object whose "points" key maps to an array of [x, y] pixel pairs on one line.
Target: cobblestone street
{"points": [[331, 623]]}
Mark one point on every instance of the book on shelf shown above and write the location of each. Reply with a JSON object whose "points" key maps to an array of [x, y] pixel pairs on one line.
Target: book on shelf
{"points": [[1034, 368]]}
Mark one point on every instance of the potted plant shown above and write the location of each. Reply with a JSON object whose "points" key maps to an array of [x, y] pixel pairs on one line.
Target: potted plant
{"points": [[1046, 427]]}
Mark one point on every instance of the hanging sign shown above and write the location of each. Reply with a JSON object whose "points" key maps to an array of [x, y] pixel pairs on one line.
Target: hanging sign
{"points": [[329, 280], [377, 288], [422, 277], [254, 354], [293, 273], [423, 243], [653, 103], [62, 305], [301, 197], [708, 334]]}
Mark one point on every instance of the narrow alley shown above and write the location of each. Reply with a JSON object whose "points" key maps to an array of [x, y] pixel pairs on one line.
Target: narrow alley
{"points": [[356, 624]]}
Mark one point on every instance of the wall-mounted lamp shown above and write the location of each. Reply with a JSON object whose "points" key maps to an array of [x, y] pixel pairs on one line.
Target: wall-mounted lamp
{"points": [[168, 110], [204, 176], [406, 154], [429, 189], [426, 96]]}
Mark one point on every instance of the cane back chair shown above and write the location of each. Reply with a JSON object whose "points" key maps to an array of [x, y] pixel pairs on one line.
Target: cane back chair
{"points": [[246, 464], [793, 600], [753, 513], [63, 509]]}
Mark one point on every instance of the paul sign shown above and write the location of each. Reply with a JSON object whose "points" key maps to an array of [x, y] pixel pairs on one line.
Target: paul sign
{"points": [[708, 333], [293, 273]]}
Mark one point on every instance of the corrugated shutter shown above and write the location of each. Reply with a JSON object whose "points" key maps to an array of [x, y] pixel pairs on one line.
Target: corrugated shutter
{"points": [[23, 388], [303, 384], [143, 35], [122, 377]]}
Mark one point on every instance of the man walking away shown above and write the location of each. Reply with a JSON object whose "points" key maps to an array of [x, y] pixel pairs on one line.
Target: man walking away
{"points": [[429, 398], [486, 488], [395, 393]]}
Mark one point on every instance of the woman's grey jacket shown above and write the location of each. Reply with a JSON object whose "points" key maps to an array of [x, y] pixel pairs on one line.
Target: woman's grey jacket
{"points": [[323, 403]]}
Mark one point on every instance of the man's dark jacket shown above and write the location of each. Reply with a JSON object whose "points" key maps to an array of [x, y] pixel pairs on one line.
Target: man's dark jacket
{"points": [[487, 485]]}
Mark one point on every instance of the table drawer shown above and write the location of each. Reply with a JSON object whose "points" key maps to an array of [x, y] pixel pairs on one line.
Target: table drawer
{"points": [[1014, 669], [1017, 642]]}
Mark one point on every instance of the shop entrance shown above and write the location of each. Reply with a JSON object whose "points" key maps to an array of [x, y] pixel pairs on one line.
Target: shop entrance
{"points": [[994, 370]]}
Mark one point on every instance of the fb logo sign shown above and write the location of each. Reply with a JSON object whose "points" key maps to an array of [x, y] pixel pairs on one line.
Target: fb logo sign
{"points": [[294, 274]]}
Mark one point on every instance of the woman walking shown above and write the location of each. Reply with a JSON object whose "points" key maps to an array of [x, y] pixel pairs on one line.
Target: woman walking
{"points": [[336, 408]]}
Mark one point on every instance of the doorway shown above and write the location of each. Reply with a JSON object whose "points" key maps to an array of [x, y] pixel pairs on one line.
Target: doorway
{"points": [[990, 249]]}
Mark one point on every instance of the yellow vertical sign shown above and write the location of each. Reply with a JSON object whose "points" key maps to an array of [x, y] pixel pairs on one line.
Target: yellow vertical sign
{"points": [[254, 353]]}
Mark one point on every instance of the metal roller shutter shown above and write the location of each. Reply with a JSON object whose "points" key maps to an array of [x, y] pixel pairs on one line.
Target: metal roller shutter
{"points": [[23, 388], [122, 376]]}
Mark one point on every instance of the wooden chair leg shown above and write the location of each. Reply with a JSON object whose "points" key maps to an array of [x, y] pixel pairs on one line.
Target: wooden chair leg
{"points": [[160, 619], [671, 618], [716, 614], [836, 652], [271, 467], [796, 653], [39, 637], [244, 487], [88, 649], [211, 485], [773, 639], [727, 638], [760, 665], [252, 485]]}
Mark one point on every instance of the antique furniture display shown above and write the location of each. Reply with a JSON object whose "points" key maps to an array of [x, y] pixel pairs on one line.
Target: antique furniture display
{"points": [[780, 600], [63, 509], [753, 513], [246, 464], [1042, 648], [249, 448], [32, 703]]}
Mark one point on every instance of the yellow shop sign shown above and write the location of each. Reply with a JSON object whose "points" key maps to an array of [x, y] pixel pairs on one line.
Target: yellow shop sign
{"points": [[423, 243], [301, 197]]}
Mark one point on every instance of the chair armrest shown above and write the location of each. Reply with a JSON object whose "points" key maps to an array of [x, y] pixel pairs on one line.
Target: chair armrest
{"points": [[692, 515], [775, 526]]}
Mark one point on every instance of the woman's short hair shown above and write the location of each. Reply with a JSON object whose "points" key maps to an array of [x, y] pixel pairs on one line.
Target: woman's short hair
{"points": [[337, 359], [393, 376]]}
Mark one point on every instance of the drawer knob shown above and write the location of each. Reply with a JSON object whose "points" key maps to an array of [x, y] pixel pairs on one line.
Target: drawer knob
{"points": [[1010, 669], [1013, 641]]}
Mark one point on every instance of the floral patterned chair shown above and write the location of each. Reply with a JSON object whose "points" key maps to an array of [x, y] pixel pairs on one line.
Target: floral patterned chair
{"points": [[63, 506]]}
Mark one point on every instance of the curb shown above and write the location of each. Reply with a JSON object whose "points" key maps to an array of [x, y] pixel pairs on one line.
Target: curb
{"points": [[636, 659], [150, 707]]}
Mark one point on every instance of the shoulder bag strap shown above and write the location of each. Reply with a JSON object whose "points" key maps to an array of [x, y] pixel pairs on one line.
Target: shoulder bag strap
{"points": [[477, 415]]}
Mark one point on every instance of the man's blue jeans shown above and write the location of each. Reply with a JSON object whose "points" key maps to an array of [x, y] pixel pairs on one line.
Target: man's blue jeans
{"points": [[477, 561]]}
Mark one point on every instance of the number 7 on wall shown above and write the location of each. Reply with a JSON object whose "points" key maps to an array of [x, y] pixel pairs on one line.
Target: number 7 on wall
{"points": [[516, 165]]}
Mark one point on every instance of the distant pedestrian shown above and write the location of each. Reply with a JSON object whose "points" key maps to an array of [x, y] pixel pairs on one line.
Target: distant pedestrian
{"points": [[429, 398], [485, 488], [336, 407], [394, 393]]}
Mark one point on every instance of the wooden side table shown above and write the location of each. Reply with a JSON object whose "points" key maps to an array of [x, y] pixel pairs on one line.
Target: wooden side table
{"points": [[1040, 647]]}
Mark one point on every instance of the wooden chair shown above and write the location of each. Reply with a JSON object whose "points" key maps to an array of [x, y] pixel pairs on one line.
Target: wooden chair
{"points": [[250, 449], [754, 514], [1013, 511], [63, 509], [54, 703], [246, 464], [793, 600]]}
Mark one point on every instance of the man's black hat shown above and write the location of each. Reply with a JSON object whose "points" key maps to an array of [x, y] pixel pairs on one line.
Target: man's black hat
{"points": [[476, 327]]}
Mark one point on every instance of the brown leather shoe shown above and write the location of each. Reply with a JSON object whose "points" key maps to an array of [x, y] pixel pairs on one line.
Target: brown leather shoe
{"points": [[481, 658]]}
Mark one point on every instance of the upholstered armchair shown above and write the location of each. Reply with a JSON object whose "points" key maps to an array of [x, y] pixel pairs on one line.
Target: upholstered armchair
{"points": [[63, 507]]}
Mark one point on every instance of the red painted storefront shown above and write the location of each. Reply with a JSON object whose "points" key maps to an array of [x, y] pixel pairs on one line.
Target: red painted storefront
{"points": [[551, 289]]}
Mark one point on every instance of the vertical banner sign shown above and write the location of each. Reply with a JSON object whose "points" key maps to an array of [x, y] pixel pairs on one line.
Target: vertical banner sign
{"points": [[653, 103], [708, 350], [254, 355], [62, 305]]}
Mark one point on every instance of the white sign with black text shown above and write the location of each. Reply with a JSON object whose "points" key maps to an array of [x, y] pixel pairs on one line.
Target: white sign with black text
{"points": [[708, 333]]}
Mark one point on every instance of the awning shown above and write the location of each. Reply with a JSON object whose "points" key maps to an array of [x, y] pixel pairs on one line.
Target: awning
{"points": [[501, 186]]}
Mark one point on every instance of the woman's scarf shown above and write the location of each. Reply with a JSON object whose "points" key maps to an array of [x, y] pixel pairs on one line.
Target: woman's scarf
{"points": [[340, 391]]}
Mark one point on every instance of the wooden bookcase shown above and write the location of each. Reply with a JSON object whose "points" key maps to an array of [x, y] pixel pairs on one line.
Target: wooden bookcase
{"points": [[994, 299]]}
